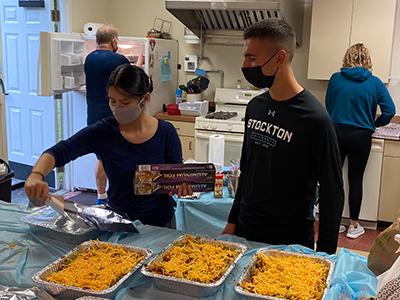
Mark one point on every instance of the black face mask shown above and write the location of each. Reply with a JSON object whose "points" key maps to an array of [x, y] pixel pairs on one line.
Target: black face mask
{"points": [[255, 76]]}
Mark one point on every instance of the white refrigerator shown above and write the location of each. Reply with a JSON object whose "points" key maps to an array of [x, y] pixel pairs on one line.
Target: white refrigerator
{"points": [[60, 71]]}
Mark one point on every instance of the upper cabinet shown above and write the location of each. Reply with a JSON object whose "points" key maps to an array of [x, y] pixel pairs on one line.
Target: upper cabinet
{"points": [[336, 25]]}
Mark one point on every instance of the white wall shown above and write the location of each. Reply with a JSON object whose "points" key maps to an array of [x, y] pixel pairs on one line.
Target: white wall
{"points": [[136, 17]]}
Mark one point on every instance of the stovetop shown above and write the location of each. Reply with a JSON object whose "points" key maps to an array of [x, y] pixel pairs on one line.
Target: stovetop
{"points": [[221, 121], [222, 115]]}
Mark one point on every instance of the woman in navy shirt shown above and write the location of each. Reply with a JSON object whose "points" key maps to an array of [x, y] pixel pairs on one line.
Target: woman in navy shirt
{"points": [[123, 141]]}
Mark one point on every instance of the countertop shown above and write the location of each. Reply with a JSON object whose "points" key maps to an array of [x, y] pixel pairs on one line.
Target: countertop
{"points": [[389, 132], [181, 118]]}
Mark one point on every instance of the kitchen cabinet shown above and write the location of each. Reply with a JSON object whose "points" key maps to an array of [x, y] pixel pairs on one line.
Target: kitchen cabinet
{"points": [[389, 202], [184, 126], [336, 25], [185, 131]]}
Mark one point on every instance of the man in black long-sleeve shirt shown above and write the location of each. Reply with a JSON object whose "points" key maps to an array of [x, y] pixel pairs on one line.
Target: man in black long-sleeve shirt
{"points": [[289, 145]]}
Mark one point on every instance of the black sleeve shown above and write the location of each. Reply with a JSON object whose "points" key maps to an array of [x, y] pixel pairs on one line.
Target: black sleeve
{"points": [[331, 194]]}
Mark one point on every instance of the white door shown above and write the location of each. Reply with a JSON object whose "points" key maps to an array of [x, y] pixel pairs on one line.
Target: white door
{"points": [[31, 120]]}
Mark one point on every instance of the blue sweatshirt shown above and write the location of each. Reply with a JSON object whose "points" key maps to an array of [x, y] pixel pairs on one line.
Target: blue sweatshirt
{"points": [[352, 98], [120, 158]]}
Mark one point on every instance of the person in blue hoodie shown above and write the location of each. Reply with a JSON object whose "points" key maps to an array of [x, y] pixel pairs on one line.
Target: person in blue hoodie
{"points": [[352, 98]]}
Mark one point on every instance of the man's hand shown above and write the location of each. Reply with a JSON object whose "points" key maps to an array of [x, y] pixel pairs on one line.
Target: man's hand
{"points": [[229, 229], [140, 60]]}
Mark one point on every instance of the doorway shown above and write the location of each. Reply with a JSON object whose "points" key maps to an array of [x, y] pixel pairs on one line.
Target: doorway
{"points": [[31, 120]]}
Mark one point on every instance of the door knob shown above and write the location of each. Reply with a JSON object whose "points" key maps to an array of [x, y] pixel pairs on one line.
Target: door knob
{"points": [[2, 86]]}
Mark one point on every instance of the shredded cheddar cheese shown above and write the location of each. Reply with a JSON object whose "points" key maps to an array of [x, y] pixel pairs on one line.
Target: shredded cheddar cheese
{"points": [[10, 261], [291, 277], [194, 260], [97, 268]]}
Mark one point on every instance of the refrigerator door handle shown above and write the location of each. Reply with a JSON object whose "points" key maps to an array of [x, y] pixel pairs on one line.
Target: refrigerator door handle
{"points": [[2, 86]]}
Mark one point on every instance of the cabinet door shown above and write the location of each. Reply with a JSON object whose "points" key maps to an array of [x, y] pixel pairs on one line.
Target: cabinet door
{"points": [[389, 203], [373, 25], [329, 37], [187, 147], [184, 128]]}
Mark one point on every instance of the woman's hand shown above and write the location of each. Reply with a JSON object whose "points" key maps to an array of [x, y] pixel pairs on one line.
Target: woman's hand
{"points": [[183, 190], [229, 229], [36, 188]]}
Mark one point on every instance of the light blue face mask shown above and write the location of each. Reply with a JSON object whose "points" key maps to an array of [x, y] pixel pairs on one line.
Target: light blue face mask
{"points": [[126, 115]]}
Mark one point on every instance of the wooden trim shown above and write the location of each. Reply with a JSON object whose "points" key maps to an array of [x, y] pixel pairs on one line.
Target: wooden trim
{"points": [[182, 118]]}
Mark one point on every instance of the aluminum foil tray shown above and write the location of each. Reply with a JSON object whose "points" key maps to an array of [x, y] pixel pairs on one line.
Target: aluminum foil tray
{"points": [[71, 292], [47, 222], [252, 264], [90, 298], [187, 287]]}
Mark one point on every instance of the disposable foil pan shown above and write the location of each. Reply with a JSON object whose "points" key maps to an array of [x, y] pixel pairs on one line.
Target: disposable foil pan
{"points": [[252, 265], [187, 287], [71, 292], [47, 222], [90, 298]]}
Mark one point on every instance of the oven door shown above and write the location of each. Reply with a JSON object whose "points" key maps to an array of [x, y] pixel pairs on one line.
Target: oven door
{"points": [[233, 145]]}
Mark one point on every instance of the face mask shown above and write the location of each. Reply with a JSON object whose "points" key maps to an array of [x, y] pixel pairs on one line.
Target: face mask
{"points": [[255, 76], [126, 115]]}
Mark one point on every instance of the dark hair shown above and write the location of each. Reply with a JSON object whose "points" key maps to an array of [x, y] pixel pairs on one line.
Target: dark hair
{"points": [[276, 31], [131, 80]]}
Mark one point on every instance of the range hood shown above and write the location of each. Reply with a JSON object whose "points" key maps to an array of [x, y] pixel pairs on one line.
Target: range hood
{"points": [[228, 18]]}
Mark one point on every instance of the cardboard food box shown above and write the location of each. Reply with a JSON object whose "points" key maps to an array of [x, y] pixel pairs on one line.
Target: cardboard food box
{"points": [[164, 178]]}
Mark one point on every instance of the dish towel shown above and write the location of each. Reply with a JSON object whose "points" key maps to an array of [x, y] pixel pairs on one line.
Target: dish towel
{"points": [[165, 69]]}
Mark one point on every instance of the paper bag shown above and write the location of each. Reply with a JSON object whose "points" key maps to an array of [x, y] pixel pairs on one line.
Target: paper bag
{"points": [[394, 270], [383, 251]]}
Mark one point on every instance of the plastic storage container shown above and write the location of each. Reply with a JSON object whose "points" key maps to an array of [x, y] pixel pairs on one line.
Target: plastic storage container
{"points": [[173, 109], [5, 182], [198, 108]]}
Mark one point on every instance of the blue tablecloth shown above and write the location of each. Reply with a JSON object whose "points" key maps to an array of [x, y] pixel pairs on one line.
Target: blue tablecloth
{"points": [[206, 215], [350, 273]]}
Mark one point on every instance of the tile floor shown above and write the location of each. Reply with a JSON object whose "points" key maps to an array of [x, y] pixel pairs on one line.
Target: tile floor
{"points": [[360, 245]]}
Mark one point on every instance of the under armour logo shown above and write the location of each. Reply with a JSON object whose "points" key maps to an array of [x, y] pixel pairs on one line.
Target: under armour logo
{"points": [[271, 113]]}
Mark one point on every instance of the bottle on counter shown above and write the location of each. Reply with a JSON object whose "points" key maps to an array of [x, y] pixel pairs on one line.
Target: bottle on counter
{"points": [[219, 179], [178, 96]]}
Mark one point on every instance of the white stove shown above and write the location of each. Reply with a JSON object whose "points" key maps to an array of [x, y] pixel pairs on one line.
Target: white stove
{"points": [[227, 120], [230, 107]]}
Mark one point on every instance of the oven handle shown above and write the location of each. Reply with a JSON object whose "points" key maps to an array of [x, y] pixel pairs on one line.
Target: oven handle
{"points": [[228, 137]]}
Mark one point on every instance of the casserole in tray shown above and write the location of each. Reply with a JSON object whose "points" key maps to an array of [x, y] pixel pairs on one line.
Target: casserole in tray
{"points": [[190, 265], [272, 273], [72, 292]]}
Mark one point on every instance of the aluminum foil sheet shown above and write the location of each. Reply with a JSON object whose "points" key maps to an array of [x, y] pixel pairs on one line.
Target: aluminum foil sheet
{"points": [[101, 218], [47, 222], [34, 293], [252, 264], [187, 287], [71, 292]]}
